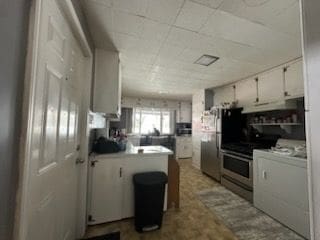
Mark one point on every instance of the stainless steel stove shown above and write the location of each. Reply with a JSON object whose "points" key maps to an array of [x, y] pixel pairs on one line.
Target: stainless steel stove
{"points": [[236, 167]]}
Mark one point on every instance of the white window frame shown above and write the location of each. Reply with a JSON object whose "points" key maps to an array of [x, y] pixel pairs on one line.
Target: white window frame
{"points": [[161, 110]]}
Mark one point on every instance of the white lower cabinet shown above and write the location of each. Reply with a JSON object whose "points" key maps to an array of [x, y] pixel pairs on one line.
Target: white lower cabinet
{"points": [[183, 147], [281, 189], [106, 191], [111, 187]]}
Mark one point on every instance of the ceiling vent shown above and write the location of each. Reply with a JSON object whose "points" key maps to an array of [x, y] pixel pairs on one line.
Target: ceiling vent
{"points": [[206, 60]]}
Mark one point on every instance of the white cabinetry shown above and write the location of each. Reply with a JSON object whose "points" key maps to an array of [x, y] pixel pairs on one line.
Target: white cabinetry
{"points": [[275, 85], [223, 95], [281, 189], [270, 86], [111, 185], [106, 190], [246, 92], [184, 112], [183, 147], [107, 84], [294, 85]]}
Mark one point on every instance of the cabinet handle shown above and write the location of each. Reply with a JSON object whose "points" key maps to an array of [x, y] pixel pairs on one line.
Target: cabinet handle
{"points": [[264, 174], [120, 172]]}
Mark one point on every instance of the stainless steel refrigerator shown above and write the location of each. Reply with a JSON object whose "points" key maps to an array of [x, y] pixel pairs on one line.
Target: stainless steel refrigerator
{"points": [[219, 126], [211, 143]]}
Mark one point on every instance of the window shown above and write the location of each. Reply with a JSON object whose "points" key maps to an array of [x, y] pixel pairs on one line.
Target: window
{"points": [[146, 119]]}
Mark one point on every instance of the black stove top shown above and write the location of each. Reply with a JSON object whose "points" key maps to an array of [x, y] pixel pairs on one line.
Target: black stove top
{"points": [[245, 148]]}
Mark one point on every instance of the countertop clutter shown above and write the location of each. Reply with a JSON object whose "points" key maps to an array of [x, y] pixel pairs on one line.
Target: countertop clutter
{"points": [[134, 150]]}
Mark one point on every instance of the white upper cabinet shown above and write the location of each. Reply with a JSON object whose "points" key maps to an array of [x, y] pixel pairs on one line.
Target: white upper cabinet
{"points": [[184, 112], [270, 86], [294, 86], [246, 92], [223, 95], [107, 84]]}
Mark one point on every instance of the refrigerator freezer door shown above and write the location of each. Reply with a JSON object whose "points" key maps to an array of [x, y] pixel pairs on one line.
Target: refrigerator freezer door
{"points": [[210, 158]]}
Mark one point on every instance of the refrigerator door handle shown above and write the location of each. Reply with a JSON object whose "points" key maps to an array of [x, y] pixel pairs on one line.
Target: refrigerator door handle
{"points": [[218, 145]]}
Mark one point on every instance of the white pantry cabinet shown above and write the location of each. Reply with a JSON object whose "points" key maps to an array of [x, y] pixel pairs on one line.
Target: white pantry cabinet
{"points": [[293, 77], [183, 147], [107, 84], [270, 86], [246, 92], [184, 112]]}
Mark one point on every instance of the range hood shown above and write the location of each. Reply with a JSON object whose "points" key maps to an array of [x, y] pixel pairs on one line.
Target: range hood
{"points": [[271, 106]]}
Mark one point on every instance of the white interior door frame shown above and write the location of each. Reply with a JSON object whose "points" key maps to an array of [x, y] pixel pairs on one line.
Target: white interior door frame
{"points": [[308, 130], [27, 114]]}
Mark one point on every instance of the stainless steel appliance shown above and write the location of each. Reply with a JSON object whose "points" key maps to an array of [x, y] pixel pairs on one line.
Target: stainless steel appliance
{"points": [[218, 125], [237, 165], [236, 172]]}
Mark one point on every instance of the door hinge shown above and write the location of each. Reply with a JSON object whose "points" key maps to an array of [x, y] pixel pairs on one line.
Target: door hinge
{"points": [[93, 163], [120, 172], [285, 69], [90, 219]]}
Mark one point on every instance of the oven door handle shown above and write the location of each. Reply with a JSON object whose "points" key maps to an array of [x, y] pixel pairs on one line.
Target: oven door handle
{"points": [[237, 157]]}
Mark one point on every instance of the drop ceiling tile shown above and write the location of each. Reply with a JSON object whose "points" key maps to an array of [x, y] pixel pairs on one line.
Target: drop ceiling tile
{"points": [[127, 23], [209, 3], [170, 51], [257, 11], [189, 39], [136, 7], [240, 30], [164, 11], [288, 21], [153, 30], [107, 3], [192, 16]]}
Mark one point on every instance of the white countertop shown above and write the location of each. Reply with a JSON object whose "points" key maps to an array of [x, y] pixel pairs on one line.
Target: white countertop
{"points": [[133, 150], [302, 162]]}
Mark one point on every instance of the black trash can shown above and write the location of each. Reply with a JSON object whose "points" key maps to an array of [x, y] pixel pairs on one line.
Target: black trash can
{"points": [[149, 191]]}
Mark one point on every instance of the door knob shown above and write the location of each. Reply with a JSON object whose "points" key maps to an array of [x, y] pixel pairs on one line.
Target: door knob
{"points": [[79, 160]]}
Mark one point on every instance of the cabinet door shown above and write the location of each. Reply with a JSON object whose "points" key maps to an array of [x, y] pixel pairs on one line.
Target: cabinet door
{"points": [[224, 95], [270, 86], [294, 85], [107, 86], [106, 190], [138, 165], [185, 112], [246, 92], [186, 148]]}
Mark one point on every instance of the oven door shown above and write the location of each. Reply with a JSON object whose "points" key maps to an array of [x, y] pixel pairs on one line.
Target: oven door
{"points": [[237, 168]]}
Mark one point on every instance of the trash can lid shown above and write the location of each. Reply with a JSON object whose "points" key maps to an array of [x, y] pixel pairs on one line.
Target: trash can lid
{"points": [[150, 178]]}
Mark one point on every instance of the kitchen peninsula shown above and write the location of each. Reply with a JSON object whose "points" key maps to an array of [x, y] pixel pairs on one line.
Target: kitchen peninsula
{"points": [[111, 186]]}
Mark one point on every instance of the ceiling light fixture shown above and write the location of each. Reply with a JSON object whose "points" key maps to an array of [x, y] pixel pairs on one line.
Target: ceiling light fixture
{"points": [[206, 60]]}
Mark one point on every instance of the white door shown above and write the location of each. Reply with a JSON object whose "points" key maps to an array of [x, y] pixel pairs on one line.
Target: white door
{"points": [[294, 85], [106, 190], [50, 173]]}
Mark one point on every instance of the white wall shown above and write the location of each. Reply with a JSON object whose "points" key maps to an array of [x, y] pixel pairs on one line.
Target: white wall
{"points": [[311, 20], [197, 109], [13, 28]]}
